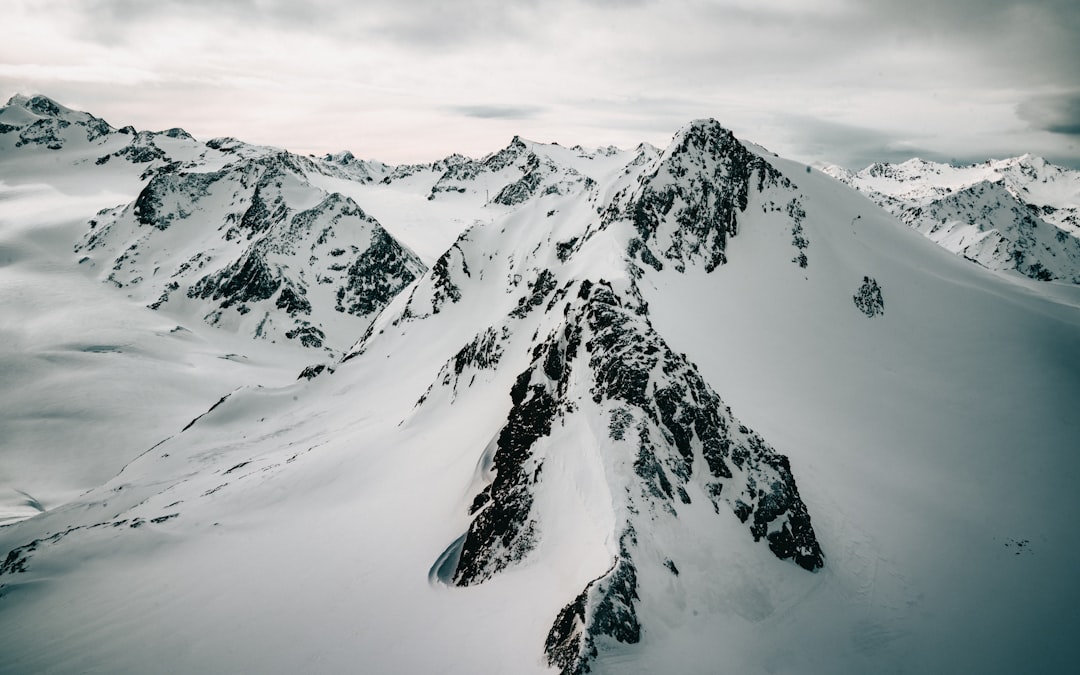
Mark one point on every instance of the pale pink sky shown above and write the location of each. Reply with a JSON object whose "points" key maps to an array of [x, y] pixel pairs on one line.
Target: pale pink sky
{"points": [[842, 81]]}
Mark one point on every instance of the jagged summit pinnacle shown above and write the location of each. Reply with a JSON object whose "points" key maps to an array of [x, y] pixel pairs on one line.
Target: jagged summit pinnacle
{"points": [[701, 128], [703, 123]]}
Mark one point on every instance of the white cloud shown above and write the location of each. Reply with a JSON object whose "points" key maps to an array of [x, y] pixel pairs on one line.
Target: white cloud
{"points": [[393, 79]]}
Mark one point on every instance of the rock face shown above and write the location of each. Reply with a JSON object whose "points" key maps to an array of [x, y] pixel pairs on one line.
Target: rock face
{"points": [[868, 298], [686, 208], [1020, 214], [518, 173], [663, 420]]}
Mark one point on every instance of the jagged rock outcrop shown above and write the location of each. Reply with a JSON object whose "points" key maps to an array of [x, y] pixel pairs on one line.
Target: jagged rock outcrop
{"points": [[664, 420], [868, 298], [686, 208]]}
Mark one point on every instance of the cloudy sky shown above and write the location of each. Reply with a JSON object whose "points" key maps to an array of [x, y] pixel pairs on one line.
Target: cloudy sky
{"points": [[839, 81]]}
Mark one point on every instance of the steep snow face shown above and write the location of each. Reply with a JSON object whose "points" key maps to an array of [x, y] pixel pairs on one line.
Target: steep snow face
{"points": [[1018, 214], [709, 412]]}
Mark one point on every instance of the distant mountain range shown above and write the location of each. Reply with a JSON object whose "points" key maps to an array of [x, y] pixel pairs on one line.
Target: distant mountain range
{"points": [[1019, 214]]}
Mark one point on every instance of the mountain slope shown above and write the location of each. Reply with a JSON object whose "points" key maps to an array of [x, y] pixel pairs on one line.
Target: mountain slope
{"points": [[528, 461]]}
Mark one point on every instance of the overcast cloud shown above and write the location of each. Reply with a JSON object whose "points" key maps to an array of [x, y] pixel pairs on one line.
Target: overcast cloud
{"points": [[844, 81]]}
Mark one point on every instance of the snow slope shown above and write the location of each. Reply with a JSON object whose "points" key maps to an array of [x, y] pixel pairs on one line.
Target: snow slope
{"points": [[700, 410]]}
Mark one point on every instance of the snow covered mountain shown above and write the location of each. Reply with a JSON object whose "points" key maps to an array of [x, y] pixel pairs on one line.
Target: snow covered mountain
{"points": [[691, 410], [232, 233], [1018, 214]]}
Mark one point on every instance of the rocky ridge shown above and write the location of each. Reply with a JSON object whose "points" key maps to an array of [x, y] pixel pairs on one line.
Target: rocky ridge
{"points": [[668, 439]]}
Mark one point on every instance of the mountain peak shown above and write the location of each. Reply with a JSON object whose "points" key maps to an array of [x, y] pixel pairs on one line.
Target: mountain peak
{"points": [[37, 104], [688, 206], [703, 128], [705, 137]]}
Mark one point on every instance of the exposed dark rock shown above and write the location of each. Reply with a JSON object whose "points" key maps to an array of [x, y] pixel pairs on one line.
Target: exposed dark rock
{"points": [[564, 249], [798, 235], [249, 279], [484, 352], [313, 371], [539, 289], [97, 128], [441, 282], [505, 157], [43, 132], [503, 531], [458, 172], [262, 214], [223, 144], [16, 560], [210, 410], [141, 151], [293, 301], [868, 298], [158, 204], [308, 335], [680, 412], [177, 132], [44, 106], [525, 187], [690, 204], [604, 609], [675, 417], [377, 275]]}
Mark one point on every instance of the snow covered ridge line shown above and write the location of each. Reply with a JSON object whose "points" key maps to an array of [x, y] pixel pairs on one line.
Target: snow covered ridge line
{"points": [[255, 245], [1019, 214]]}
